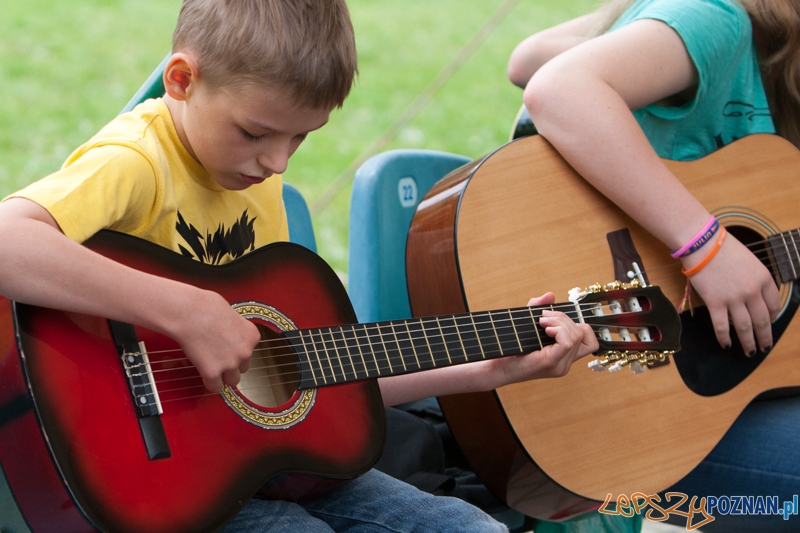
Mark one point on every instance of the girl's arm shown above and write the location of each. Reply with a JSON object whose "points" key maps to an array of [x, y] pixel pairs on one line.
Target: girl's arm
{"points": [[581, 101], [541, 47], [41, 266]]}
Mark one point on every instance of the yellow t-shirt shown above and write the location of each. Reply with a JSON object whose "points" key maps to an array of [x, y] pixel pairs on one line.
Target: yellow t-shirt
{"points": [[135, 176]]}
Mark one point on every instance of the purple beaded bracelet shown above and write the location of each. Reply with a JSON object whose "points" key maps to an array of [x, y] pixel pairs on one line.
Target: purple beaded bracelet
{"points": [[698, 240]]}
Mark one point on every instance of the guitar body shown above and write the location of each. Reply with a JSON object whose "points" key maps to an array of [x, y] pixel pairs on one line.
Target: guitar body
{"points": [[70, 444], [522, 222]]}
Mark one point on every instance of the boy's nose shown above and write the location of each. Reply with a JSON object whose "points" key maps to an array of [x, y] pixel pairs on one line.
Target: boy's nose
{"points": [[275, 159]]}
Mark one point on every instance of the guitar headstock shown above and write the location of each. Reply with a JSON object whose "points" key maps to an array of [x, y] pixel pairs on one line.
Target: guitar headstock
{"points": [[636, 326]]}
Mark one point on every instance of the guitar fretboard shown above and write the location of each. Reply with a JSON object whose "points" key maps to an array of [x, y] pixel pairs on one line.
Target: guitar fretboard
{"points": [[354, 352], [785, 249]]}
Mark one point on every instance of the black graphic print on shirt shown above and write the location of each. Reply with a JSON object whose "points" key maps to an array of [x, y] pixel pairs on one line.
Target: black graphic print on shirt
{"points": [[212, 248], [737, 111]]}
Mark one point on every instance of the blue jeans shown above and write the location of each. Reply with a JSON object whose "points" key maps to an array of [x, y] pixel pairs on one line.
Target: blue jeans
{"points": [[758, 456], [373, 502]]}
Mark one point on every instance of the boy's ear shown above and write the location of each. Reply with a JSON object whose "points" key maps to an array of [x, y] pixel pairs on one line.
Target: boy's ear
{"points": [[180, 74]]}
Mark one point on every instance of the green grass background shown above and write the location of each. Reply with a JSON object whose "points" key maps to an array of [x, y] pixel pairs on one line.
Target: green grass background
{"points": [[67, 68]]}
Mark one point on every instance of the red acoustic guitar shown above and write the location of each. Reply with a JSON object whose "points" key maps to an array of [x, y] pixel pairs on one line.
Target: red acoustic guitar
{"points": [[107, 427]]}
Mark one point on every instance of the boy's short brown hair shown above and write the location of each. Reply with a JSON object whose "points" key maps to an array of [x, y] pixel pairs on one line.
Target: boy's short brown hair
{"points": [[304, 46]]}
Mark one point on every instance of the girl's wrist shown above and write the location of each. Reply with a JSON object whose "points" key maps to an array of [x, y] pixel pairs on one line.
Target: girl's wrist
{"points": [[699, 240], [694, 263]]}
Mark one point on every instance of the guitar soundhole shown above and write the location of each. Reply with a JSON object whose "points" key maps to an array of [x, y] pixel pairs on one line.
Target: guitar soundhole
{"points": [[273, 376], [754, 240]]}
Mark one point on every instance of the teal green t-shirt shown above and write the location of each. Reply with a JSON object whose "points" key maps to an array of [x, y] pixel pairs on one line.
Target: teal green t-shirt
{"points": [[730, 101]]}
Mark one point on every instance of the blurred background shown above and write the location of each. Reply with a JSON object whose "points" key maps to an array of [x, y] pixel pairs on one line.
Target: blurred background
{"points": [[432, 76]]}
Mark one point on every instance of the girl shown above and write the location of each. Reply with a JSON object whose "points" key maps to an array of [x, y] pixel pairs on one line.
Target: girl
{"points": [[636, 81]]}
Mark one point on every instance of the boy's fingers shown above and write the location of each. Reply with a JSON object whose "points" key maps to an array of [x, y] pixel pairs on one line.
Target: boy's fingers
{"points": [[213, 384], [544, 299], [231, 377]]}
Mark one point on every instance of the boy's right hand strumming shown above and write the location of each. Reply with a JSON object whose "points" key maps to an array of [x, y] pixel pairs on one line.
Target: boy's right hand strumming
{"points": [[43, 267], [215, 338]]}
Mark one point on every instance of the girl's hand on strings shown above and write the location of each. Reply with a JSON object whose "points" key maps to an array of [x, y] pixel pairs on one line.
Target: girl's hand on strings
{"points": [[737, 289]]}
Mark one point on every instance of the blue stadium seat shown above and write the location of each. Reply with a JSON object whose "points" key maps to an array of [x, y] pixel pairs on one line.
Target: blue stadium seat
{"points": [[386, 191]]}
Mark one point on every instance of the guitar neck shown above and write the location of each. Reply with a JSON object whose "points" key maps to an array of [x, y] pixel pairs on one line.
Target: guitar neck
{"points": [[342, 354], [785, 248]]}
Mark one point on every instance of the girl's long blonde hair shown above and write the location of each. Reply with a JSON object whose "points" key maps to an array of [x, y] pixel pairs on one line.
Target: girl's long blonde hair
{"points": [[776, 31]]}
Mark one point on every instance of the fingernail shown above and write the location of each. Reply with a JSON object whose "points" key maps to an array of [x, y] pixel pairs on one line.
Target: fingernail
{"points": [[752, 353], [767, 350], [727, 347]]}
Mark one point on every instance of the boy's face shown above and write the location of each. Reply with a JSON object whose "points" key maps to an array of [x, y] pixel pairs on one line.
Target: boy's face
{"points": [[243, 136]]}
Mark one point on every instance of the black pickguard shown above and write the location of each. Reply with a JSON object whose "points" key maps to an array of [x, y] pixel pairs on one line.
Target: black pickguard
{"points": [[707, 368]]}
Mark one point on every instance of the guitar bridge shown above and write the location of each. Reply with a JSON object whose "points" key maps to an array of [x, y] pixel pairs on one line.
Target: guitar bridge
{"points": [[140, 380], [142, 387]]}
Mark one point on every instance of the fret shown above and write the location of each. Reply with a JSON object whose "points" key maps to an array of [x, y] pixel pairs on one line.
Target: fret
{"points": [[444, 341], [434, 341], [362, 338], [358, 341], [494, 330], [507, 340], [514, 328], [452, 340], [330, 350], [393, 334], [403, 335], [783, 258], [419, 343], [322, 355], [535, 327], [468, 334], [306, 351], [487, 336], [339, 346], [375, 346], [351, 342], [527, 330], [382, 331]]}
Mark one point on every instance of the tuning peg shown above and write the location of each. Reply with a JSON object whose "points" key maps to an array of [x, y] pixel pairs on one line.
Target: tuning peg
{"points": [[597, 365]]}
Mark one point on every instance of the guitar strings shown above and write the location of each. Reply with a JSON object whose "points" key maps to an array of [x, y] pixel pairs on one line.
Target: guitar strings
{"points": [[438, 354], [435, 357], [346, 365], [386, 344], [566, 308], [372, 330]]}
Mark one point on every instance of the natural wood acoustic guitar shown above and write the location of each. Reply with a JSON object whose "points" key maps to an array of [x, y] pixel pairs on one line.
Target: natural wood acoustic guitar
{"points": [[521, 221], [107, 427]]}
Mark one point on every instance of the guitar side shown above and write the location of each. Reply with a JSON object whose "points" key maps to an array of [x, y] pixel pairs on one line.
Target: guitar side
{"points": [[526, 223], [81, 411]]}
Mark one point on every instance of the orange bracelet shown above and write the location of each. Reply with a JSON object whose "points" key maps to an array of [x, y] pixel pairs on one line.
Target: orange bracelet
{"points": [[699, 266]]}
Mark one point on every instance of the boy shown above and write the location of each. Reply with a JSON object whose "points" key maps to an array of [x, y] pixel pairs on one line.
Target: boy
{"points": [[247, 81]]}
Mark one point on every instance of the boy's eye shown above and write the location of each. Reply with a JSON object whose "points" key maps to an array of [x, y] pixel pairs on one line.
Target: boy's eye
{"points": [[250, 137]]}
